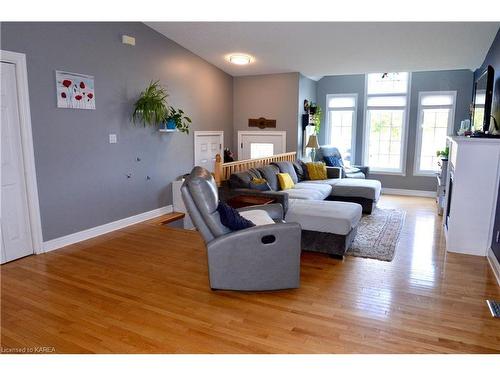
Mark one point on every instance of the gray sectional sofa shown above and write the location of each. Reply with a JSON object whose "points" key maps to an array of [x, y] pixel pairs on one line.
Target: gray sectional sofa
{"points": [[328, 210], [365, 192]]}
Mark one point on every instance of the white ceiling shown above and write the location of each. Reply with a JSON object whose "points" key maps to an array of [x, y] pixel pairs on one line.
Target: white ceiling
{"points": [[317, 49]]}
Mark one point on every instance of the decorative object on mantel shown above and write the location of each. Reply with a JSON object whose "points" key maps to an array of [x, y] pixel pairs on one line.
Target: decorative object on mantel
{"points": [[261, 123], [152, 109], [75, 90]]}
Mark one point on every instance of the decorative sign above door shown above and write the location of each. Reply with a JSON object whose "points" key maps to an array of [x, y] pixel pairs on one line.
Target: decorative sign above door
{"points": [[261, 123]]}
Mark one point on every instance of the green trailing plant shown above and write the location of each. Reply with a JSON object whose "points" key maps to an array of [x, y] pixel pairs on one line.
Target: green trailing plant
{"points": [[182, 122], [443, 153], [316, 118], [151, 107]]}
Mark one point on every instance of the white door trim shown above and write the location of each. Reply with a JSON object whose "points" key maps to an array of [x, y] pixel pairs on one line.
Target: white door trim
{"points": [[263, 132], [19, 60], [220, 133]]}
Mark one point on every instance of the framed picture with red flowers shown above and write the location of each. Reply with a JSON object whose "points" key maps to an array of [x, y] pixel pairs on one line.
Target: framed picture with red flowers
{"points": [[75, 90]]}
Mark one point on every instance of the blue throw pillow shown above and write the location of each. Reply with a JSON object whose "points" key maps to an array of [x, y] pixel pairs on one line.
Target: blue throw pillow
{"points": [[333, 161], [231, 218]]}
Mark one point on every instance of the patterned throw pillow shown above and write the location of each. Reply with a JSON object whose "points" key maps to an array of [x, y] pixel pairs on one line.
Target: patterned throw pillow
{"points": [[333, 161], [231, 218], [259, 184], [285, 181], [316, 170]]}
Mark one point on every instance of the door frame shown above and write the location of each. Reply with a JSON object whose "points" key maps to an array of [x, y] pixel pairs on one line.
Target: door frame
{"points": [[19, 61], [197, 133], [242, 133]]}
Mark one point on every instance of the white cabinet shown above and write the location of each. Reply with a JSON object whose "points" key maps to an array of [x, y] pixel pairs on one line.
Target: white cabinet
{"points": [[178, 203], [472, 185]]}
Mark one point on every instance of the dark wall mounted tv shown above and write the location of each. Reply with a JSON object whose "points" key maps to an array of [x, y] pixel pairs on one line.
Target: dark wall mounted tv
{"points": [[481, 105]]}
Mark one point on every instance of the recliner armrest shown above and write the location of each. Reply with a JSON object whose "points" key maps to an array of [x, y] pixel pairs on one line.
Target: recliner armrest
{"points": [[274, 210], [364, 169]]}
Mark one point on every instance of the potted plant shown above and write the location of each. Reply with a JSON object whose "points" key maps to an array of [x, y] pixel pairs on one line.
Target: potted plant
{"points": [[176, 119], [443, 154], [316, 118], [151, 107]]}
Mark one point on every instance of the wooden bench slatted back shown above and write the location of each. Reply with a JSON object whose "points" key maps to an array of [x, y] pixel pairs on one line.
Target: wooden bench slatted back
{"points": [[224, 170]]}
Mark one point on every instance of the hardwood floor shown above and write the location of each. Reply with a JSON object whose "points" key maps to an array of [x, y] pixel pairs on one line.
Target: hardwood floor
{"points": [[144, 289]]}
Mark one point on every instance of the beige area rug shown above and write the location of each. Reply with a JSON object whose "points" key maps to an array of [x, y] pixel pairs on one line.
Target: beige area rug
{"points": [[378, 234]]}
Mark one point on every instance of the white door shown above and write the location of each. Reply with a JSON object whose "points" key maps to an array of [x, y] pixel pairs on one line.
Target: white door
{"points": [[259, 144], [15, 224], [207, 145]]}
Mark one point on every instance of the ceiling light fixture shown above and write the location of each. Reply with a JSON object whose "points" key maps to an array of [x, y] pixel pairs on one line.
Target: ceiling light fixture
{"points": [[240, 59]]}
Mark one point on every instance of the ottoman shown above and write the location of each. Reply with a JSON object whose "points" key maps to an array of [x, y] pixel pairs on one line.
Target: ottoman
{"points": [[365, 192], [327, 226]]}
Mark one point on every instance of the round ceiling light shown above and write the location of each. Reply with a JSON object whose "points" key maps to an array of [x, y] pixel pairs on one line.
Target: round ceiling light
{"points": [[240, 59]]}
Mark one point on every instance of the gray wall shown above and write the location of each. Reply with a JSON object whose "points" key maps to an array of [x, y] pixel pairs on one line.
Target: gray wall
{"points": [[459, 80], [307, 90], [81, 177], [273, 96]]}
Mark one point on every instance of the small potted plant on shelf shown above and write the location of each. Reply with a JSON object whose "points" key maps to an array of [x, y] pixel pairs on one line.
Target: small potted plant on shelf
{"points": [[177, 119], [151, 107]]}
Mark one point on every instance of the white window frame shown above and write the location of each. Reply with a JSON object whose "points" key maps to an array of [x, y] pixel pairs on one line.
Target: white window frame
{"points": [[354, 120], [418, 140], [404, 133]]}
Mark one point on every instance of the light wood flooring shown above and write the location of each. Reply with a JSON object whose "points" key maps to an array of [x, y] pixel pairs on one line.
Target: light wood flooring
{"points": [[144, 289]]}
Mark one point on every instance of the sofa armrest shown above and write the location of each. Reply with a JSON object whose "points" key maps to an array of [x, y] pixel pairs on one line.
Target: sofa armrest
{"points": [[333, 172], [279, 196], [274, 210], [265, 257], [363, 169]]}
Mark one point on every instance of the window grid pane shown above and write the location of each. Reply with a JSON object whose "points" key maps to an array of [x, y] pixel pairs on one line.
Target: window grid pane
{"points": [[433, 128], [384, 149], [342, 102], [261, 150], [341, 127], [387, 83]]}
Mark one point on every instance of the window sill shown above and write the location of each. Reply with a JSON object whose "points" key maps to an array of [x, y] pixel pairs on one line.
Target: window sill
{"points": [[395, 173], [425, 174]]}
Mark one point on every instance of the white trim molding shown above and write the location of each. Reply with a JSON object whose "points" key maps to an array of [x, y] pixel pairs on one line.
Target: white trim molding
{"points": [[494, 264], [405, 127], [418, 138], [328, 130], [70, 239], [408, 192], [19, 60], [281, 133]]}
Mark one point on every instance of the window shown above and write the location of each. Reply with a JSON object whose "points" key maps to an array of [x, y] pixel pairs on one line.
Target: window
{"points": [[261, 150], [436, 112], [341, 124], [385, 123]]}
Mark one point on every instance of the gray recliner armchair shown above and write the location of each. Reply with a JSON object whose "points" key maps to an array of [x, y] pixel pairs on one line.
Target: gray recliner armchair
{"points": [[265, 257], [356, 171]]}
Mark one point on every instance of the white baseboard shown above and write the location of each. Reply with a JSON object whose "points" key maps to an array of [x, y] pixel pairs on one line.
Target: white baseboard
{"points": [[411, 193], [103, 229], [495, 266]]}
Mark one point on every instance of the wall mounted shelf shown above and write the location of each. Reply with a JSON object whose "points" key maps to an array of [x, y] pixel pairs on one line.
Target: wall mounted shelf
{"points": [[168, 130]]}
